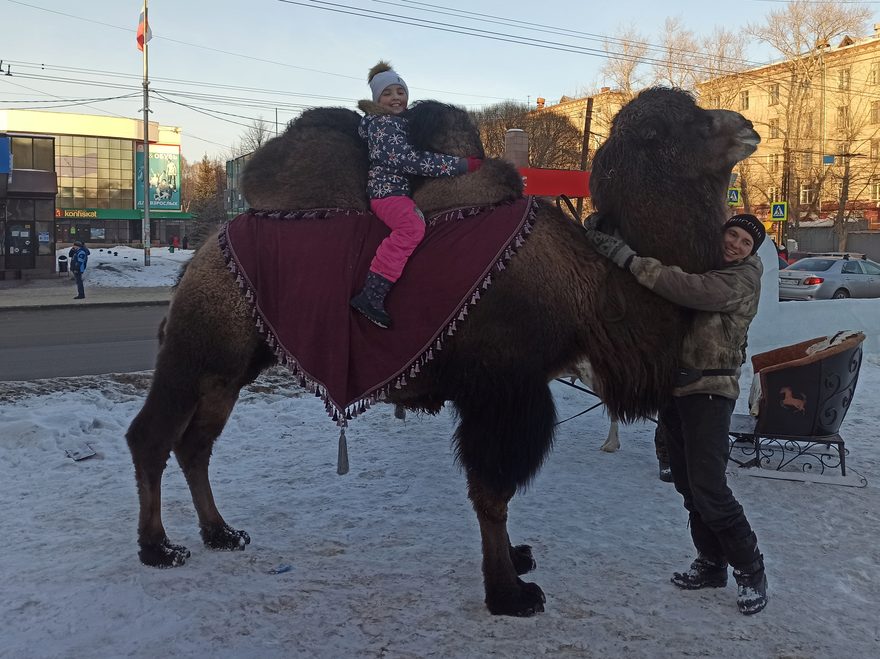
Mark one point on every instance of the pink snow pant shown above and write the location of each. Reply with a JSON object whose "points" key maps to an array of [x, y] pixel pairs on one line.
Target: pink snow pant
{"points": [[407, 224]]}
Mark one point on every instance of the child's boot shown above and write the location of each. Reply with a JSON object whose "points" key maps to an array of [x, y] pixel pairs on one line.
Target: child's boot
{"points": [[371, 300]]}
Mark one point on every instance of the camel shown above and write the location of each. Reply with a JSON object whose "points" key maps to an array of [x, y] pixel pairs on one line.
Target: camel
{"points": [[660, 180]]}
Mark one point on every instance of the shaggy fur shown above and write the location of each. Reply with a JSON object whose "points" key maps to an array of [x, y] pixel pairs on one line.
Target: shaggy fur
{"points": [[320, 161], [556, 304]]}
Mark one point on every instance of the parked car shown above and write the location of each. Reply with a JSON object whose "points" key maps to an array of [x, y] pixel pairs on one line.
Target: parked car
{"points": [[829, 277]]}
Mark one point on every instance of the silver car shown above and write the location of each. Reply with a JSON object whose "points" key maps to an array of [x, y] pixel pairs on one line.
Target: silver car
{"points": [[829, 277]]}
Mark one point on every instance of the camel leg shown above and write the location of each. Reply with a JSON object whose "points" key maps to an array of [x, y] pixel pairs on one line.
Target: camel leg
{"points": [[193, 453], [505, 431], [506, 593], [151, 436]]}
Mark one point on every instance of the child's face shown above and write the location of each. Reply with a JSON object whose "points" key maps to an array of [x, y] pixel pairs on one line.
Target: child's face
{"points": [[394, 98]]}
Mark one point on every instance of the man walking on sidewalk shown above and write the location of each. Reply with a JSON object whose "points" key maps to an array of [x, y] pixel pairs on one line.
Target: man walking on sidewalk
{"points": [[78, 260]]}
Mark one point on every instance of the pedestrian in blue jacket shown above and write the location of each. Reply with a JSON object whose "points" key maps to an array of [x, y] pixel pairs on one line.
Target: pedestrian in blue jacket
{"points": [[78, 261]]}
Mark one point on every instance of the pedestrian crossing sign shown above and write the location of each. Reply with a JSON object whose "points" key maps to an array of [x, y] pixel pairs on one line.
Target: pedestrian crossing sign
{"points": [[779, 211], [733, 196]]}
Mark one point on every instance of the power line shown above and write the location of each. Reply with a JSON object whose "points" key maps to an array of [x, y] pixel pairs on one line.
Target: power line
{"points": [[489, 34], [461, 13], [229, 52]]}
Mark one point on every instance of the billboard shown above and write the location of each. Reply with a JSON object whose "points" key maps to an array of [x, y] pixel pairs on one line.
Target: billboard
{"points": [[164, 173]]}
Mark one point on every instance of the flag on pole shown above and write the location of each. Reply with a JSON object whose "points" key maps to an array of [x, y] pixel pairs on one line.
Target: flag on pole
{"points": [[144, 33]]}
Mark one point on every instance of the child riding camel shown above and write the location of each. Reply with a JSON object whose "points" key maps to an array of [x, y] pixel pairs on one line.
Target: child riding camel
{"points": [[392, 159]]}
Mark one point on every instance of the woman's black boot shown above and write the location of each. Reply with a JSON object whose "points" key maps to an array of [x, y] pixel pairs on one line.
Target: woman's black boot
{"points": [[704, 572], [751, 587]]}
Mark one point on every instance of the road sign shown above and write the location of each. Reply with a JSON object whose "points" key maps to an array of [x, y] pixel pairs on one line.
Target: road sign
{"points": [[733, 196], [827, 160], [779, 211]]}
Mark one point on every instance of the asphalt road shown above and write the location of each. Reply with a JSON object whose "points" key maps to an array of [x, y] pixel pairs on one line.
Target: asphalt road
{"points": [[46, 343]]}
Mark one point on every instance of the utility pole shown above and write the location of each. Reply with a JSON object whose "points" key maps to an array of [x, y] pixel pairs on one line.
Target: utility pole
{"points": [[585, 146], [146, 223]]}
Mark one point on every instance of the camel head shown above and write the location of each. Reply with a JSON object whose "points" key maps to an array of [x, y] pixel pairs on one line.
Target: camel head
{"points": [[661, 176], [442, 128]]}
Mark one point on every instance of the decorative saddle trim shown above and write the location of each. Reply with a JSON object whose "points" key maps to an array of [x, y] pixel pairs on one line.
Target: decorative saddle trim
{"points": [[343, 414]]}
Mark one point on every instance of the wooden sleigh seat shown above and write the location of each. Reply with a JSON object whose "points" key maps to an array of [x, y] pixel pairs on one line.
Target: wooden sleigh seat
{"points": [[800, 396]]}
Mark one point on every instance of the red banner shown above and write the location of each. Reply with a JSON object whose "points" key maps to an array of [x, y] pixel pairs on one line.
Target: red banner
{"points": [[554, 182]]}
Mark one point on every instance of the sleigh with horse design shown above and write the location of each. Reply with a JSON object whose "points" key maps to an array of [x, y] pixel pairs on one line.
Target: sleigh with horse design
{"points": [[800, 397]]}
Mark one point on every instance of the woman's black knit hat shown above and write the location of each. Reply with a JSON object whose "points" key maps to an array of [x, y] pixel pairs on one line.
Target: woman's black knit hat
{"points": [[751, 225]]}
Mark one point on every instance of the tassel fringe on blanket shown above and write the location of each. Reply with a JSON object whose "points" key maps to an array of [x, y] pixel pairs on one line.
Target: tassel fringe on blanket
{"points": [[342, 413]]}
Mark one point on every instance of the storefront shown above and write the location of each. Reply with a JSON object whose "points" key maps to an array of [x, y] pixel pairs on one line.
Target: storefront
{"points": [[27, 197], [96, 166], [101, 226]]}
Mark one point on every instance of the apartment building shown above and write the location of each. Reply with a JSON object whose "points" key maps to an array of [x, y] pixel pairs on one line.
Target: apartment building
{"points": [[819, 119]]}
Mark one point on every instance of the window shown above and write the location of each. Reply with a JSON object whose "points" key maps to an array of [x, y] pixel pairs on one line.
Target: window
{"points": [[851, 268], [875, 149], [874, 74], [773, 162], [774, 94], [807, 159], [875, 189], [875, 112], [772, 194], [33, 153], [744, 100], [808, 124], [843, 79], [807, 193], [843, 117], [774, 129], [870, 268]]}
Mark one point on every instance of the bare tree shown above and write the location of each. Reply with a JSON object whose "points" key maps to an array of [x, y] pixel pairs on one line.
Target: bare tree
{"points": [[855, 165], [678, 58], [722, 53], [623, 68], [800, 32], [255, 136], [554, 140], [493, 121]]}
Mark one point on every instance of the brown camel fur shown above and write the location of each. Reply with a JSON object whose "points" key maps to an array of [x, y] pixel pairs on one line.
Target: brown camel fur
{"points": [[660, 179]]}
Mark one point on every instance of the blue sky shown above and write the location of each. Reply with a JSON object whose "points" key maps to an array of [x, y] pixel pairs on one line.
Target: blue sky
{"points": [[248, 58]]}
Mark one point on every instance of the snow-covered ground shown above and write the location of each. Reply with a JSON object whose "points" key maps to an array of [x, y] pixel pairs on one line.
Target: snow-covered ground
{"points": [[386, 560], [124, 266]]}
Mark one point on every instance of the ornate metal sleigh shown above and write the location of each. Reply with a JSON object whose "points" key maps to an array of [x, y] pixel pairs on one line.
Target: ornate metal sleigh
{"points": [[800, 397]]}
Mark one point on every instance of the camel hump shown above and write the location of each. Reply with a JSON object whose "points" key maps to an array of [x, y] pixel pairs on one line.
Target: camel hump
{"points": [[320, 161]]}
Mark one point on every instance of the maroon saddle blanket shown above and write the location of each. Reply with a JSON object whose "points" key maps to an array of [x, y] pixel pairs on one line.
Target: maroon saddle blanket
{"points": [[300, 269]]}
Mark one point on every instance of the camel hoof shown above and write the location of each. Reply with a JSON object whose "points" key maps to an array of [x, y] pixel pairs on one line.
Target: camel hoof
{"points": [[522, 558], [163, 554], [525, 599], [226, 538]]}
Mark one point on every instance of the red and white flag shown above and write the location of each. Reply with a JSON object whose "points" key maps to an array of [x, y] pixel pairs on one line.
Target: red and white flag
{"points": [[144, 33]]}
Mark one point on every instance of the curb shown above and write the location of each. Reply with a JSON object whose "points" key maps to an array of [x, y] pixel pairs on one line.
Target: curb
{"points": [[109, 303]]}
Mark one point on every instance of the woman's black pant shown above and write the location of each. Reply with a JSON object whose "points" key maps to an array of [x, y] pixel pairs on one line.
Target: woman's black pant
{"points": [[696, 429]]}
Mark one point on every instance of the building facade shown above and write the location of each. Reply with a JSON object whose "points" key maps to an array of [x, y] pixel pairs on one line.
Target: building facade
{"points": [[819, 120], [96, 194]]}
